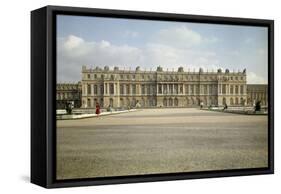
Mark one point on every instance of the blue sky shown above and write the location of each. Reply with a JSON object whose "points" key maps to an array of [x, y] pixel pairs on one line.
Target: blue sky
{"points": [[127, 43]]}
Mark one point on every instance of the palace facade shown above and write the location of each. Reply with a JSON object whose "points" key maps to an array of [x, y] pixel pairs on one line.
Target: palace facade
{"points": [[257, 92], [130, 88], [68, 92]]}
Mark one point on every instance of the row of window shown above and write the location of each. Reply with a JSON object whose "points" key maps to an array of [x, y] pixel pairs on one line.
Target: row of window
{"points": [[166, 77], [67, 96], [165, 89]]}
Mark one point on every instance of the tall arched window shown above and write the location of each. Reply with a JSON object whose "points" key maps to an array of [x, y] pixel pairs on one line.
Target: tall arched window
{"points": [[231, 89], [111, 102], [95, 89], [89, 89], [236, 89], [223, 101], [111, 89], [231, 101]]}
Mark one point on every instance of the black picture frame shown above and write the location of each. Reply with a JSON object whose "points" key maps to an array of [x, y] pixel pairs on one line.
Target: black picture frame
{"points": [[43, 89]]}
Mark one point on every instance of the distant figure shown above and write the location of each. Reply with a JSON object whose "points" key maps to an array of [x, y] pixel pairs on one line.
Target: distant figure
{"points": [[97, 109], [69, 107], [225, 106], [258, 106], [201, 104]]}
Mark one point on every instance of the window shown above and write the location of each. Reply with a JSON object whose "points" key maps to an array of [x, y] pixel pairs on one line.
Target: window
{"points": [[205, 89], [89, 89], [111, 89], [89, 76], [134, 89], [231, 101], [236, 101], [236, 89], [142, 89], [231, 89], [95, 89], [160, 89], [95, 76], [88, 102], [176, 88], [186, 89], [122, 89], [170, 88]]}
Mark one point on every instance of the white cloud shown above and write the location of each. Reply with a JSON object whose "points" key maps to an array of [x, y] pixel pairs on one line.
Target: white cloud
{"points": [[253, 78], [179, 37], [72, 42], [73, 52]]}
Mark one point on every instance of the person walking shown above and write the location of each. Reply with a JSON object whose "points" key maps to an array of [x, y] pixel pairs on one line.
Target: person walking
{"points": [[97, 109]]}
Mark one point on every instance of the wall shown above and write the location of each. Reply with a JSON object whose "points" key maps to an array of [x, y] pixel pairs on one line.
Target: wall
{"points": [[15, 95]]}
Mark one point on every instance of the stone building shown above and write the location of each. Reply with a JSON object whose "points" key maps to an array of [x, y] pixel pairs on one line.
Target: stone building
{"points": [[257, 92], [68, 92], [130, 88]]}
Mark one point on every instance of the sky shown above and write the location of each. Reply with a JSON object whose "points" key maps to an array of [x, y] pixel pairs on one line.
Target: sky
{"points": [[128, 43]]}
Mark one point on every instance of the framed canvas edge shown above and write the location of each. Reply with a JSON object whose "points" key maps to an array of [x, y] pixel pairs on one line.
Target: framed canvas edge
{"points": [[51, 181]]}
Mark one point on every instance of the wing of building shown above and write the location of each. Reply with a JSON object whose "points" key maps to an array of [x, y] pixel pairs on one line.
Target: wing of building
{"points": [[123, 88], [68, 92], [139, 88]]}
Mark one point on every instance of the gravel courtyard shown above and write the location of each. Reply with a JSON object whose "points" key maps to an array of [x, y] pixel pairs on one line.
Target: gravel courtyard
{"points": [[160, 141]]}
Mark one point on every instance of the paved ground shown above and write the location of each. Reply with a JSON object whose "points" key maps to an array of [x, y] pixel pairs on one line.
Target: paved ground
{"points": [[160, 141]]}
